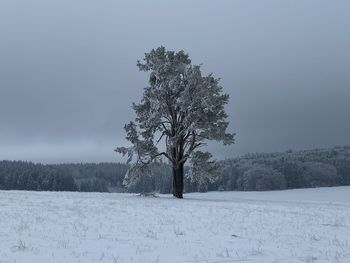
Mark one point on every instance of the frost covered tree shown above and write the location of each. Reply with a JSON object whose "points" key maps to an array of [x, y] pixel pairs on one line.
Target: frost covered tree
{"points": [[180, 110], [320, 174], [261, 178]]}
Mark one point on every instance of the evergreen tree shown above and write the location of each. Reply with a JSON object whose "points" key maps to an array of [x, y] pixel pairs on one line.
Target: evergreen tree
{"points": [[181, 108]]}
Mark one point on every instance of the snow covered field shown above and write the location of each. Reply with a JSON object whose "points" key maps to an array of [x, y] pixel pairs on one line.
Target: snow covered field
{"points": [[307, 225]]}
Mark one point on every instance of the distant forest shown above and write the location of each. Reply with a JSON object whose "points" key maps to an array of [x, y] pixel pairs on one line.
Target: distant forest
{"points": [[87, 177], [252, 172]]}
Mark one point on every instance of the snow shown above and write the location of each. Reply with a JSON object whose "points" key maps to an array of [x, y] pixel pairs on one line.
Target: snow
{"points": [[340, 194], [306, 225]]}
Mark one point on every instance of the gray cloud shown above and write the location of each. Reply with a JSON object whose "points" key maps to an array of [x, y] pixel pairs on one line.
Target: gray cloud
{"points": [[68, 71]]}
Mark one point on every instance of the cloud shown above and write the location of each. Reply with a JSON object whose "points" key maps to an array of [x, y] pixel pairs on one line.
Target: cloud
{"points": [[68, 71]]}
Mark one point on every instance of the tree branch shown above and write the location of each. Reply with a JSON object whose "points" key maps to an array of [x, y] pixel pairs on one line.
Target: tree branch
{"points": [[160, 138], [154, 157]]}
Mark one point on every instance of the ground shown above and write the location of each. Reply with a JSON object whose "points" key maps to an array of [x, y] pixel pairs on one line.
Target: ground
{"points": [[307, 225]]}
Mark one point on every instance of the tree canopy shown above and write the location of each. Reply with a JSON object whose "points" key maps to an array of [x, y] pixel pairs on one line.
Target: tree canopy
{"points": [[181, 109]]}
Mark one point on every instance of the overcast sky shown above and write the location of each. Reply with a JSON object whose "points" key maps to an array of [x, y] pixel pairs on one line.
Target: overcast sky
{"points": [[68, 71]]}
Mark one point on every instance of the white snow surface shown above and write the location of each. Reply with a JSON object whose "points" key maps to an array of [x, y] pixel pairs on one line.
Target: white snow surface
{"points": [[306, 225]]}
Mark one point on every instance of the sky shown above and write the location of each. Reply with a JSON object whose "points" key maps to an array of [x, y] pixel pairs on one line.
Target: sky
{"points": [[68, 72]]}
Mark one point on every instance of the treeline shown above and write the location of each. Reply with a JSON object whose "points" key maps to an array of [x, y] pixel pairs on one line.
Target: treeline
{"points": [[260, 172], [252, 172], [288, 170], [104, 177]]}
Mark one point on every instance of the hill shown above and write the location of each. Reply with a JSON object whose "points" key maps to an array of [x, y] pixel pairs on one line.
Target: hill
{"points": [[252, 172]]}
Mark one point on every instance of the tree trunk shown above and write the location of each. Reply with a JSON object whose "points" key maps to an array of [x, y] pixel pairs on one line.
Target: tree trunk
{"points": [[178, 181]]}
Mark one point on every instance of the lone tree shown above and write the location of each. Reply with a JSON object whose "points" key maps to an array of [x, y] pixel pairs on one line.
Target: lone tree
{"points": [[181, 110]]}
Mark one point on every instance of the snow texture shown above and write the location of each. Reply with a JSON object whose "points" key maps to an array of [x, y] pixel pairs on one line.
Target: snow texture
{"points": [[306, 225]]}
